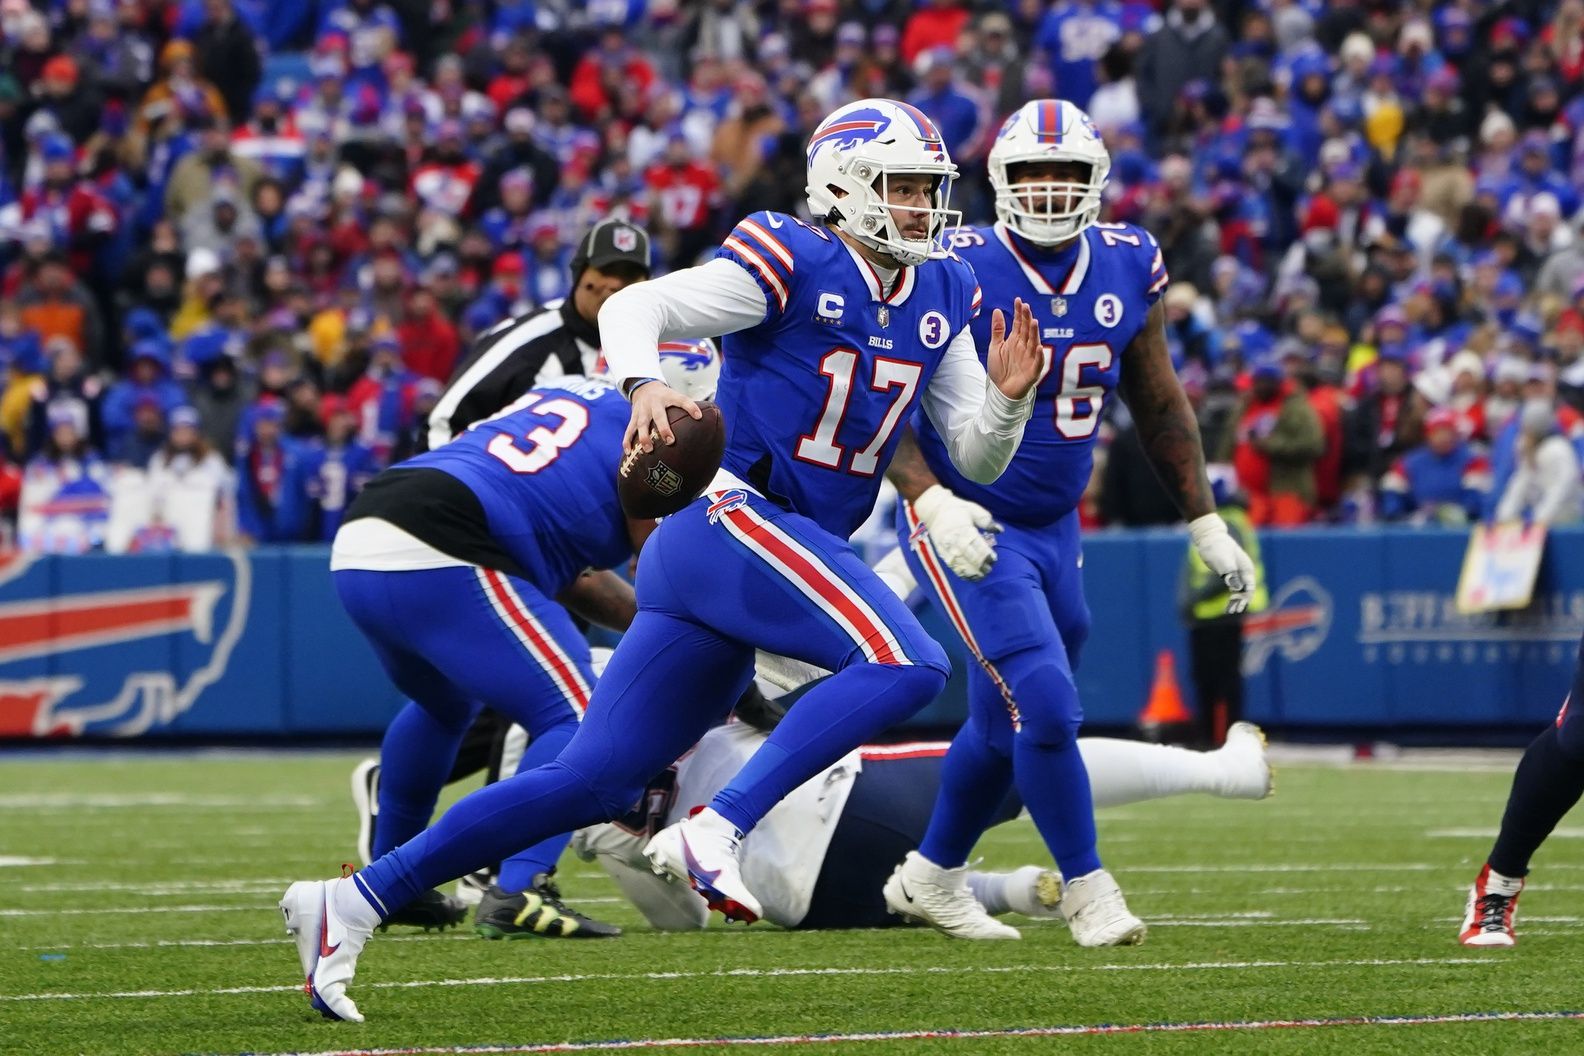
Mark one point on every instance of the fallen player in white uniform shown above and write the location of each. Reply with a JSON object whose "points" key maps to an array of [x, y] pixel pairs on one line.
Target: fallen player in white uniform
{"points": [[821, 857]]}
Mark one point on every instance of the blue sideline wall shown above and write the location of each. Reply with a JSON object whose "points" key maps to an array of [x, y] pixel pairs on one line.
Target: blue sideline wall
{"points": [[1362, 633]]}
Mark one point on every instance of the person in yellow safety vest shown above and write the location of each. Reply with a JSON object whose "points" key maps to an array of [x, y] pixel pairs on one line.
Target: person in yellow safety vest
{"points": [[1215, 639]]}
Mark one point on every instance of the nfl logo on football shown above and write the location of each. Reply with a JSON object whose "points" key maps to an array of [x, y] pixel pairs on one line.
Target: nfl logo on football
{"points": [[663, 479]]}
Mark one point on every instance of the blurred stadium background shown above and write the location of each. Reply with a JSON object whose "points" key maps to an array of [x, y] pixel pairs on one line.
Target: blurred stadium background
{"points": [[216, 214], [223, 218]]}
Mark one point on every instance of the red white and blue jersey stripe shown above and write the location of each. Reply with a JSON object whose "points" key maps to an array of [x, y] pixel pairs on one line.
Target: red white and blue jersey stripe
{"points": [[814, 396], [1090, 301]]}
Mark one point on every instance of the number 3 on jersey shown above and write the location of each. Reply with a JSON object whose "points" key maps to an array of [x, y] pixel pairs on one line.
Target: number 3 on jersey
{"points": [[820, 446], [545, 444], [1077, 404]]}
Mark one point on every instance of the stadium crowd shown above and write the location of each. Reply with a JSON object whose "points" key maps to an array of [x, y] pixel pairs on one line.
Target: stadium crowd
{"points": [[243, 243]]}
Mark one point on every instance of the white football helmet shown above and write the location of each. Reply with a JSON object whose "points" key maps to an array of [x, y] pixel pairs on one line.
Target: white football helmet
{"points": [[851, 156], [1051, 212], [691, 367]]}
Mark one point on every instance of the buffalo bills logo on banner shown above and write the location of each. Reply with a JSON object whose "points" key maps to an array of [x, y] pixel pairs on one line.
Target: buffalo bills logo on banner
{"points": [[130, 655], [1293, 627]]}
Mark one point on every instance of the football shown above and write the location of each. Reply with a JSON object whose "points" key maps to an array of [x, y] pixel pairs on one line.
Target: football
{"points": [[662, 481]]}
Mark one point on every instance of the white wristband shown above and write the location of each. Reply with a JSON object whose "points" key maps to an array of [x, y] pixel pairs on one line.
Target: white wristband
{"points": [[1203, 528]]}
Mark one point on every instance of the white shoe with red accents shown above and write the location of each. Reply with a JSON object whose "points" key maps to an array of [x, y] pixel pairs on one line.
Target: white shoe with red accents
{"points": [[1492, 906], [328, 944], [703, 852]]}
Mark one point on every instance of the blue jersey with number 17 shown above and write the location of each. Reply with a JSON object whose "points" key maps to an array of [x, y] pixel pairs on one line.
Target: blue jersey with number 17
{"points": [[545, 472], [814, 395], [1090, 300]]}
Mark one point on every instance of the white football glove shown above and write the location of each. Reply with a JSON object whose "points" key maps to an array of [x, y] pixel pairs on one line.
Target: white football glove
{"points": [[1223, 556], [957, 529]]}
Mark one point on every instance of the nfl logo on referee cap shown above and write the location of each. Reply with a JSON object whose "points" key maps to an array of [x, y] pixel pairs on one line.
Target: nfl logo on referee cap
{"points": [[625, 239]]}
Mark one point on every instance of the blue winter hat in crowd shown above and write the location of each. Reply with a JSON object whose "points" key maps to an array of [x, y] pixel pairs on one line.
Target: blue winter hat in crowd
{"points": [[1267, 370], [144, 323], [24, 352], [150, 348], [206, 346], [185, 415], [57, 147], [1255, 341]]}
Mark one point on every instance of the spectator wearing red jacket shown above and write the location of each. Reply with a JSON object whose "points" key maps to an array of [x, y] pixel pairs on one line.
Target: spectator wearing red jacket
{"points": [[445, 181], [934, 25], [429, 340], [1275, 444], [605, 72], [80, 219], [685, 194]]}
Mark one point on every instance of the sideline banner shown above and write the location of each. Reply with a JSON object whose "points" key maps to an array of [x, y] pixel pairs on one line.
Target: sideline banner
{"points": [[1500, 567]]}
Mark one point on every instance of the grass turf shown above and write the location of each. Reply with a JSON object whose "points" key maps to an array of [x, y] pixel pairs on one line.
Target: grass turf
{"points": [[152, 929]]}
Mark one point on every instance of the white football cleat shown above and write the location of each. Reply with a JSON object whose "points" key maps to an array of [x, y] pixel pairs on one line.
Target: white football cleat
{"points": [[327, 945], [702, 851], [1249, 774], [365, 799], [918, 889], [1097, 914], [1492, 905]]}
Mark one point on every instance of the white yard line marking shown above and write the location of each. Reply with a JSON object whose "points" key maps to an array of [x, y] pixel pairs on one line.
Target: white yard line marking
{"points": [[51, 801], [1350, 925], [11, 861], [160, 887], [772, 973], [966, 1035], [177, 943], [1492, 832], [1296, 867], [229, 907]]}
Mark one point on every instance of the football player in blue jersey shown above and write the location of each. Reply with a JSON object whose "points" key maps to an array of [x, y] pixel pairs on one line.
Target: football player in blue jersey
{"points": [[836, 331], [1018, 603], [453, 565], [465, 610]]}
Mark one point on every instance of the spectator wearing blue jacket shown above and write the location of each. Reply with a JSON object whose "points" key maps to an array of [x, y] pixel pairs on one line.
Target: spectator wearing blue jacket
{"points": [[1443, 481], [330, 472], [271, 505], [148, 378]]}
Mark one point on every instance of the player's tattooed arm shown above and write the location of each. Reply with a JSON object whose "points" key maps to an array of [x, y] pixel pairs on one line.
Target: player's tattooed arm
{"points": [[908, 470], [603, 598], [1167, 428]]}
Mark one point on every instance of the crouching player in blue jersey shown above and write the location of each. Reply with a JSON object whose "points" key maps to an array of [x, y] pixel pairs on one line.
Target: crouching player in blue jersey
{"points": [[1095, 290], [836, 332], [453, 565], [1547, 784]]}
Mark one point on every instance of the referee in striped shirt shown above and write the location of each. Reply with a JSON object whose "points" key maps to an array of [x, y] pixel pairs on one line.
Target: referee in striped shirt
{"points": [[550, 342]]}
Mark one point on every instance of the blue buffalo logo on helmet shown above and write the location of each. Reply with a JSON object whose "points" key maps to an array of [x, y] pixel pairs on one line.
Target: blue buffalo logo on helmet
{"points": [[131, 651]]}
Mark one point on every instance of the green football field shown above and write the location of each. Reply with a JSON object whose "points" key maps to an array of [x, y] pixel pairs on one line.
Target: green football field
{"points": [[137, 915]]}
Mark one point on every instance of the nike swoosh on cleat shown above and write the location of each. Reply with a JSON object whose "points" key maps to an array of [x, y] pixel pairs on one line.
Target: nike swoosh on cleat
{"points": [[325, 949], [903, 885], [697, 872]]}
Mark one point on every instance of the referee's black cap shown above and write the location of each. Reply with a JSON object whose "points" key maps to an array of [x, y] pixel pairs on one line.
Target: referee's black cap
{"points": [[609, 242]]}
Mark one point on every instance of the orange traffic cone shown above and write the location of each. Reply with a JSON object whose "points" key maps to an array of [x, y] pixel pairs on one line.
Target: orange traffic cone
{"points": [[1165, 707]]}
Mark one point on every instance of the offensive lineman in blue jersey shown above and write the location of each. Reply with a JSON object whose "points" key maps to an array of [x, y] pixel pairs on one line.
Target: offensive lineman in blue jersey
{"points": [[452, 564], [1018, 604], [836, 333]]}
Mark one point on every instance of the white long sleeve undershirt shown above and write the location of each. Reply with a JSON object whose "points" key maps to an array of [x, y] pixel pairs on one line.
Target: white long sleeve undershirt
{"points": [[982, 427]]}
